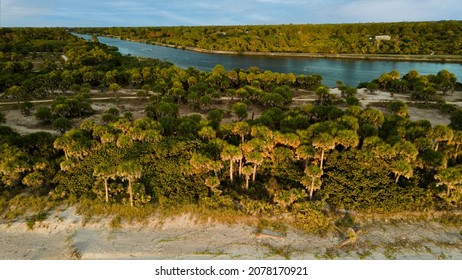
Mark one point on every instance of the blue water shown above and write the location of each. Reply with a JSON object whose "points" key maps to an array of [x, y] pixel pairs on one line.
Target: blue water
{"points": [[349, 71]]}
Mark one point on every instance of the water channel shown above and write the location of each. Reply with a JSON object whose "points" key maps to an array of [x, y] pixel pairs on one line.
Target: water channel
{"points": [[349, 71]]}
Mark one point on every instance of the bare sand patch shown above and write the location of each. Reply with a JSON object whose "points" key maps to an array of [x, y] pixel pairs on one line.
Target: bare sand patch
{"points": [[66, 235]]}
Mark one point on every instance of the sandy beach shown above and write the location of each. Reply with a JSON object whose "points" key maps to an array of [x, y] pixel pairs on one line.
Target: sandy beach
{"points": [[66, 235]]}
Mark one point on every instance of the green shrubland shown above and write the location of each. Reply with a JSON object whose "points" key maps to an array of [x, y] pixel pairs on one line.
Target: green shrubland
{"points": [[300, 164]]}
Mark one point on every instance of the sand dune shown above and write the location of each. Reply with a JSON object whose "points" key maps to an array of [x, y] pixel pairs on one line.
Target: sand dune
{"points": [[66, 235]]}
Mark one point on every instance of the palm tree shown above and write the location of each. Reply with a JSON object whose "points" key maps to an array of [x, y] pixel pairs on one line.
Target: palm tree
{"points": [[347, 138], [256, 158], [64, 143], [115, 87], [324, 94], [213, 183], [291, 140], [440, 133], [12, 164], [74, 143], [247, 171], [16, 92], [207, 133], [240, 128], [262, 132], [401, 168], [311, 179], [231, 153], [34, 179], [373, 117], [325, 142], [105, 172], [457, 141], [405, 150], [305, 152], [200, 163], [129, 171], [450, 177]]}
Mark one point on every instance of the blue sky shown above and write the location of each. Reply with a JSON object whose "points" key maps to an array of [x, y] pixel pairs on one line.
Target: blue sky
{"points": [[214, 12]]}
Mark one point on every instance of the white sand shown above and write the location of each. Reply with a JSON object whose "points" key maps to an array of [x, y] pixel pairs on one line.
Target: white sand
{"points": [[64, 235]]}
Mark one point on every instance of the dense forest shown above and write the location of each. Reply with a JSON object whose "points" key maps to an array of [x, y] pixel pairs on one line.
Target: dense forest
{"points": [[439, 38], [287, 160]]}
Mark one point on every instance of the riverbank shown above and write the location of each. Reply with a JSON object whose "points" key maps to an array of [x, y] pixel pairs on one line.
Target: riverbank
{"points": [[67, 235], [383, 57]]}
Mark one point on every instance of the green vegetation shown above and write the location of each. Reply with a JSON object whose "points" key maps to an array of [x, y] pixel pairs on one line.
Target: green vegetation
{"points": [[439, 38], [291, 161]]}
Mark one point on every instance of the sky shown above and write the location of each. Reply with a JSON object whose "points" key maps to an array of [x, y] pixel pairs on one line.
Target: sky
{"points": [[91, 13]]}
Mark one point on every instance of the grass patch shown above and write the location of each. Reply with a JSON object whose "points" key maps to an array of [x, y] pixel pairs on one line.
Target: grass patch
{"points": [[283, 251], [41, 216], [347, 221], [90, 209], [330, 254], [21, 204], [276, 226], [311, 219], [364, 254], [207, 252], [116, 222], [204, 214], [74, 253], [172, 239], [450, 219]]}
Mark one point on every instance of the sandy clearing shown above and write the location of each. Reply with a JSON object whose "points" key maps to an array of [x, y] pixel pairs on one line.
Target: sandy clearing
{"points": [[101, 104]]}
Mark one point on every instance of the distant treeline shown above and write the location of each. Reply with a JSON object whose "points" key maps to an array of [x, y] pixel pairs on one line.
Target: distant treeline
{"points": [[439, 38]]}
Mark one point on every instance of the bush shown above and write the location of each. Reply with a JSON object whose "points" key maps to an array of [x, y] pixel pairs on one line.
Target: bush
{"points": [[352, 101], [357, 181], [26, 108], [61, 124], [44, 115]]}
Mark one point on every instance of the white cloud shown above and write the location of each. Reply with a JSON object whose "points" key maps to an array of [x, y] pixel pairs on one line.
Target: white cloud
{"points": [[213, 12]]}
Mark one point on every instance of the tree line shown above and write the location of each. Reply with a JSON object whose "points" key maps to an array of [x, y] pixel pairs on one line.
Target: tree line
{"points": [[443, 37]]}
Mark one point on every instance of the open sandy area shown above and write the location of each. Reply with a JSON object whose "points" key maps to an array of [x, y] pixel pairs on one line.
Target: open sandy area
{"points": [[66, 235]]}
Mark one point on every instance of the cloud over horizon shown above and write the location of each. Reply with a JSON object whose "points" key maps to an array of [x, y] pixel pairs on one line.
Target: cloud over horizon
{"points": [[228, 12]]}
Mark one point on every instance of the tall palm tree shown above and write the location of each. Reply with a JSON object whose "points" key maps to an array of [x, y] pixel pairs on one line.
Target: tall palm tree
{"points": [[457, 141], [207, 133], [13, 164], [213, 183], [450, 177], [440, 133], [291, 140], [240, 128], [405, 150], [64, 142], [129, 171], [325, 142], [231, 153], [401, 168], [256, 158], [347, 138], [311, 179], [105, 172], [247, 171], [305, 153]]}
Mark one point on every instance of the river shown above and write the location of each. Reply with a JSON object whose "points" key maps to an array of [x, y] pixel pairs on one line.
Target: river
{"points": [[349, 71]]}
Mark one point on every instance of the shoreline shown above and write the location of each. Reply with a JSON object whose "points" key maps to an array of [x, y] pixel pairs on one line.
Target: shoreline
{"points": [[457, 59]]}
